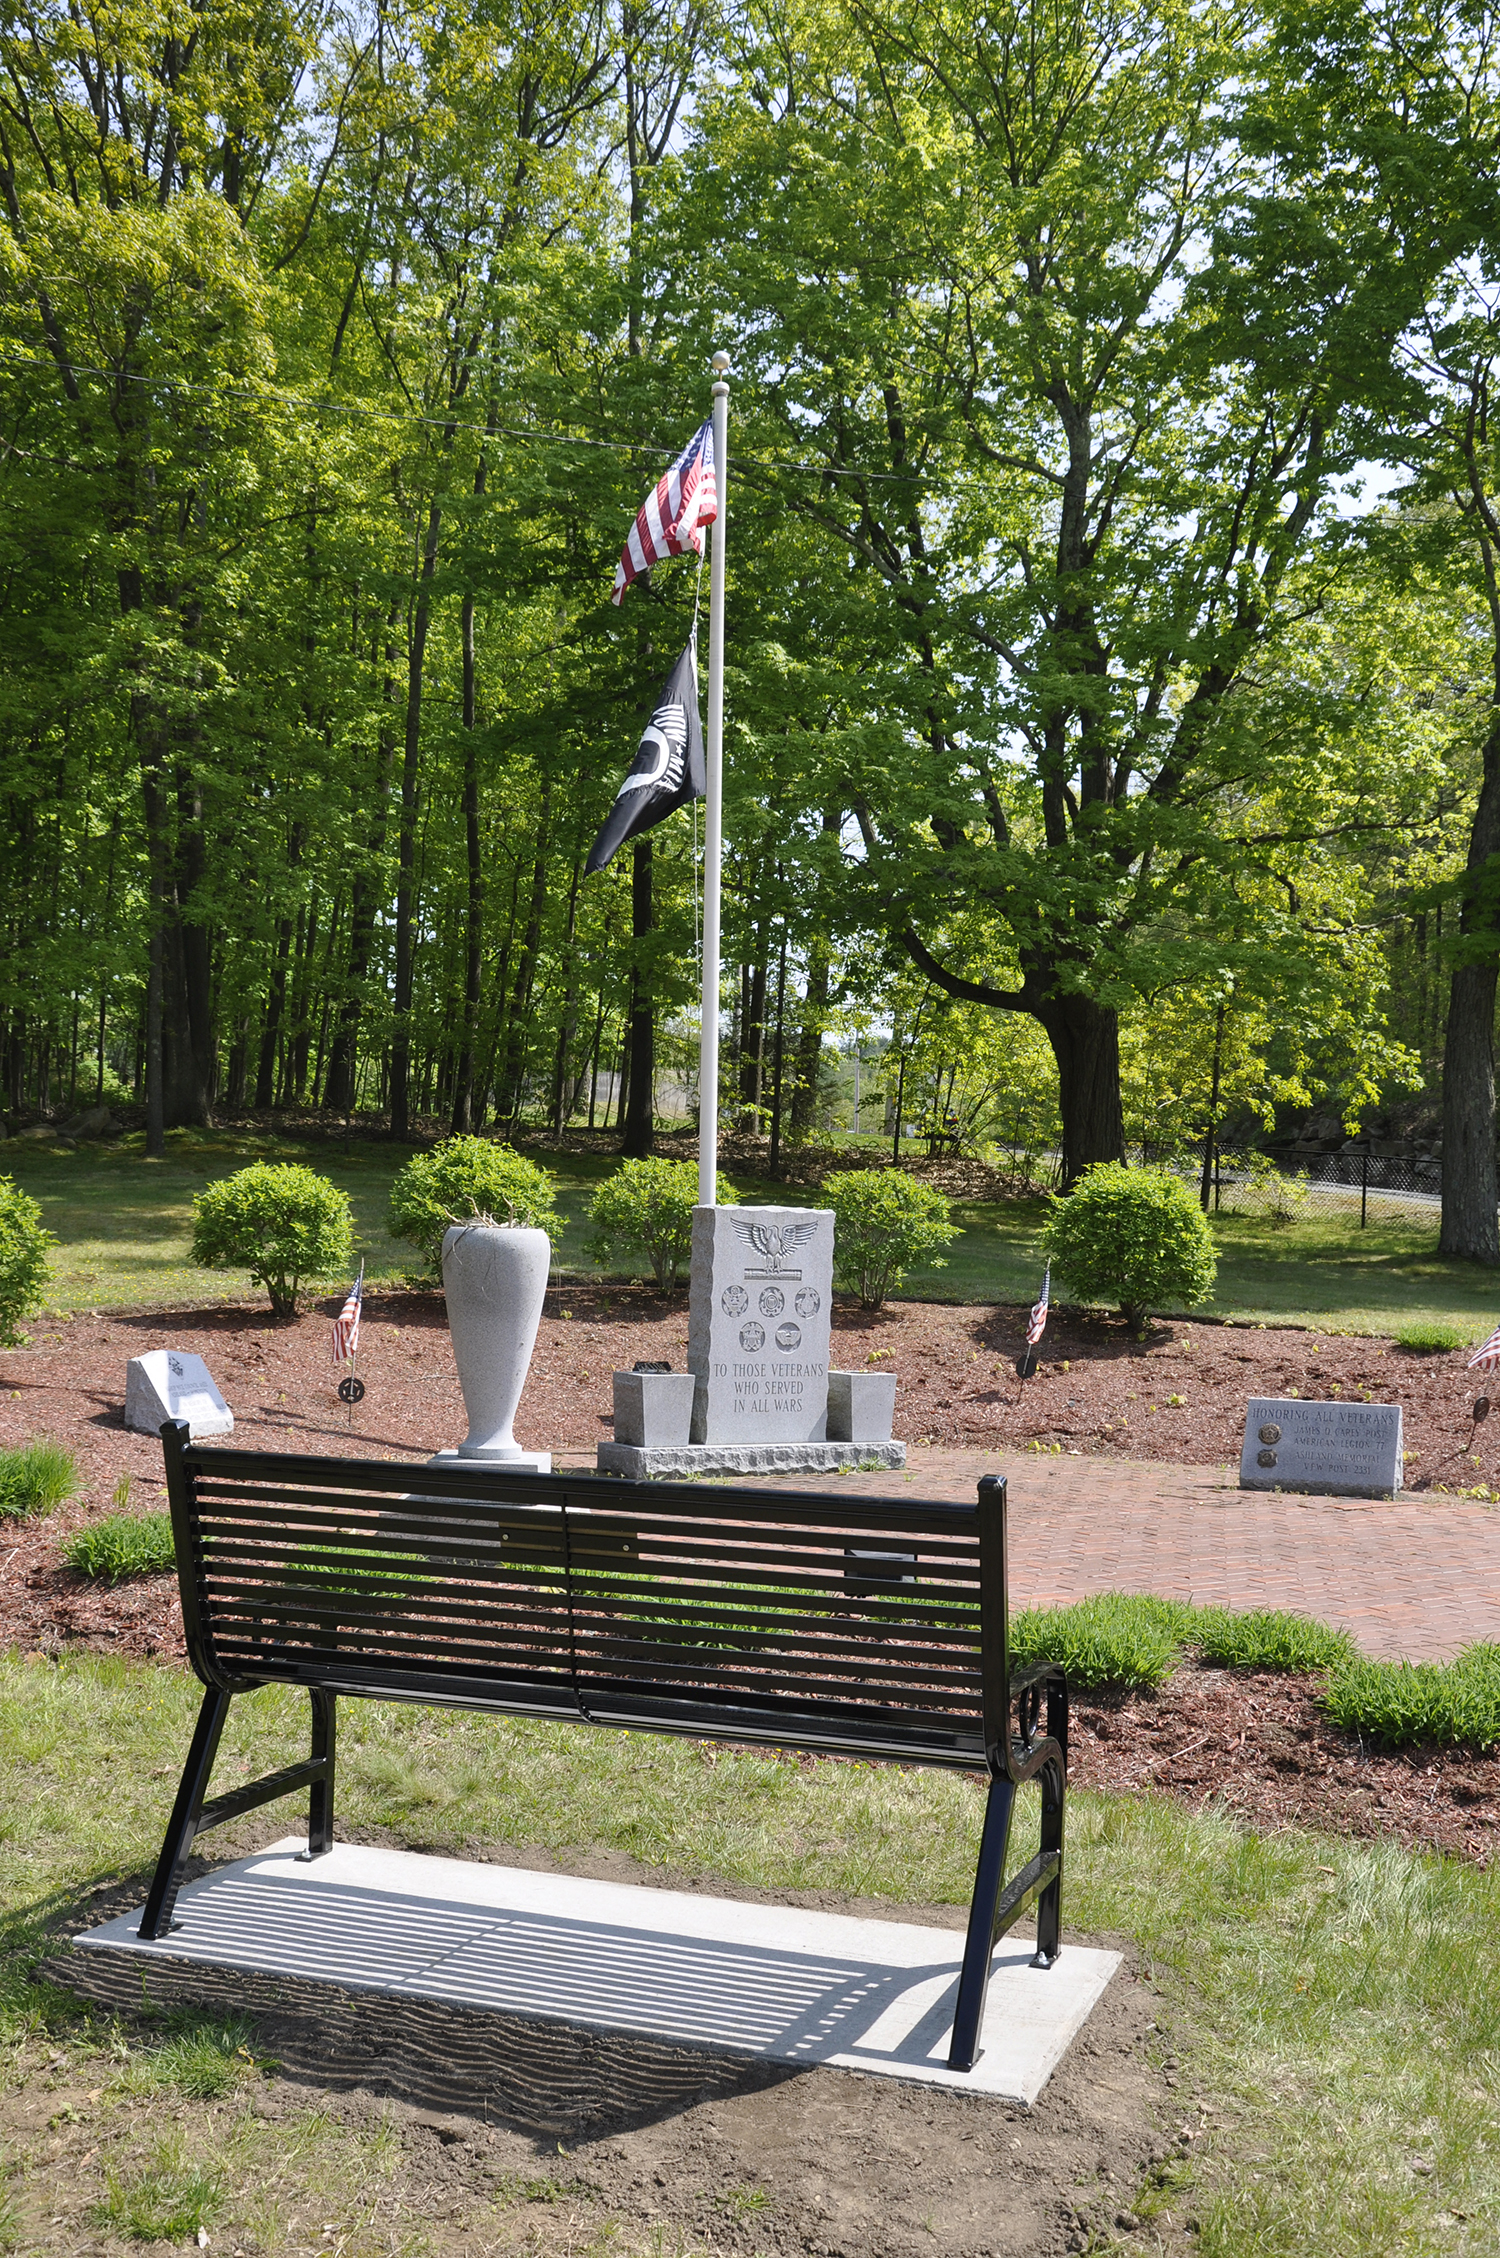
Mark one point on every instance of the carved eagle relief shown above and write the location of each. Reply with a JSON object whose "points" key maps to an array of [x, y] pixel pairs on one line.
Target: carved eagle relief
{"points": [[774, 1242]]}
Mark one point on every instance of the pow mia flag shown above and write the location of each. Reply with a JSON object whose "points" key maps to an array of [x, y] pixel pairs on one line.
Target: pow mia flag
{"points": [[668, 770]]}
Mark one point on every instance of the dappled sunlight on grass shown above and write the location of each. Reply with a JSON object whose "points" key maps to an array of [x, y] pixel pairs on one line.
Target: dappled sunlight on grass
{"points": [[123, 1225]]}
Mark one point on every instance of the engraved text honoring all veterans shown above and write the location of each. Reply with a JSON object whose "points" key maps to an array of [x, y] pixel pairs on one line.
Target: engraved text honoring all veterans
{"points": [[762, 1284], [1342, 1449]]}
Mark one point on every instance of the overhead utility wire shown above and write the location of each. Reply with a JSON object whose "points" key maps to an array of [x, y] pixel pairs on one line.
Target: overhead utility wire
{"points": [[437, 423]]}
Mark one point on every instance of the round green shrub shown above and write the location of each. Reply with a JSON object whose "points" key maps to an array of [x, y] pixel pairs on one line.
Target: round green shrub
{"points": [[1135, 1237], [883, 1222], [280, 1222], [464, 1177], [647, 1206], [23, 1259]]}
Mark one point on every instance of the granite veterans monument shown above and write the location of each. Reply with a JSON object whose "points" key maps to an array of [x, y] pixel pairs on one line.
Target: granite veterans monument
{"points": [[762, 1283], [758, 1346]]}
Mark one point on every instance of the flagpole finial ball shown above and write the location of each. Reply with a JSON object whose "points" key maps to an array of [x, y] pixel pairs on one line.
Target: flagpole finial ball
{"points": [[721, 363]]}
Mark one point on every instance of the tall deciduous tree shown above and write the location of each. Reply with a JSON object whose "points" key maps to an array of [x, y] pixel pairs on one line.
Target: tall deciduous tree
{"points": [[1079, 393]]}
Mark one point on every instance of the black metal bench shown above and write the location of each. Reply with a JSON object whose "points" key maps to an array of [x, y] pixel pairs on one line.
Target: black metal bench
{"points": [[871, 1627]]}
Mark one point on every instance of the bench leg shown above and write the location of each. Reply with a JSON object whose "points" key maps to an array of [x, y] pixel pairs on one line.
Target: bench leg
{"points": [[1049, 1904], [979, 1946], [320, 1795], [182, 1828]]}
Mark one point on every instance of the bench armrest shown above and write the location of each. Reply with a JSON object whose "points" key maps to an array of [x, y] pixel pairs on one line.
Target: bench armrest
{"points": [[1036, 1674]]}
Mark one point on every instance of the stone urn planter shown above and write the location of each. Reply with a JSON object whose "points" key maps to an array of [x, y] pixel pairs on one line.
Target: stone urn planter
{"points": [[495, 1278]]}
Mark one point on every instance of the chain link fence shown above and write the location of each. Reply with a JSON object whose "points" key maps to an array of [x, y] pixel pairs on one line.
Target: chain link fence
{"points": [[1372, 1186]]}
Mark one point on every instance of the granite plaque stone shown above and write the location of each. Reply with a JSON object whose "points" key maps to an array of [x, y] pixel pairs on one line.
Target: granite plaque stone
{"points": [[171, 1384], [758, 1315], [1340, 1449]]}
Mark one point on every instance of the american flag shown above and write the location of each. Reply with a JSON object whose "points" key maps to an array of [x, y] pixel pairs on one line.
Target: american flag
{"points": [[346, 1324], [1038, 1325], [1489, 1353], [671, 521]]}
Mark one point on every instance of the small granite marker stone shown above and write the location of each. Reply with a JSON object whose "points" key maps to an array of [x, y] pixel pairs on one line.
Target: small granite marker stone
{"points": [[1338, 1449], [171, 1384], [653, 1407]]}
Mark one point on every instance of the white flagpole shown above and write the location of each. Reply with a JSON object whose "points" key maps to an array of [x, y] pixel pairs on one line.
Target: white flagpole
{"points": [[713, 827]]}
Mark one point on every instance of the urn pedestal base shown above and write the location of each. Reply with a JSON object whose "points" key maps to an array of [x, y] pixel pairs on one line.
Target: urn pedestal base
{"points": [[507, 1461]]}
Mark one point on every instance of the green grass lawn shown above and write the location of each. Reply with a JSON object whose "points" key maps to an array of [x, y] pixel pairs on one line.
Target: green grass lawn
{"points": [[1330, 2002], [123, 1225], [1321, 1268]]}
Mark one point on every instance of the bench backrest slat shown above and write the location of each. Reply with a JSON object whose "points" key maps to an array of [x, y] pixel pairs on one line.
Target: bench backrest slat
{"points": [[677, 1604]]}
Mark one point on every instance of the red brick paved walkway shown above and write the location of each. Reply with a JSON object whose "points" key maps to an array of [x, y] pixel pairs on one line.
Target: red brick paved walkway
{"points": [[1406, 1578]]}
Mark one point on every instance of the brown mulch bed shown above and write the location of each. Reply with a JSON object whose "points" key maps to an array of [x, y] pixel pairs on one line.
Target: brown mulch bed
{"points": [[1097, 1390], [1258, 1744]]}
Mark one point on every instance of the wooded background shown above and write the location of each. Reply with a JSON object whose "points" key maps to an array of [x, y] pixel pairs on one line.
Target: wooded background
{"points": [[1114, 632]]}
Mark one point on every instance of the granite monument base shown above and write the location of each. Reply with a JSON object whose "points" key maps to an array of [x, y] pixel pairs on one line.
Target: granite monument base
{"points": [[654, 1408], [664, 1461], [861, 1406]]}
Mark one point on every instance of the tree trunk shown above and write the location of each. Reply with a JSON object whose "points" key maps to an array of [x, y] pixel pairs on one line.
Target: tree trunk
{"points": [[1469, 1185], [276, 1000], [156, 1141], [199, 1044], [518, 1041], [1469, 1177], [157, 885], [463, 1080], [1085, 1039], [810, 1039], [406, 857], [562, 1094], [343, 1060], [640, 1114], [752, 1046], [775, 1158]]}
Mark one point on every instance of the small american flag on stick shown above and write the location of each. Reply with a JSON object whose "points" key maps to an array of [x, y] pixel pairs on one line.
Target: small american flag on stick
{"points": [[1038, 1325], [671, 520], [346, 1324], [1488, 1353]]}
